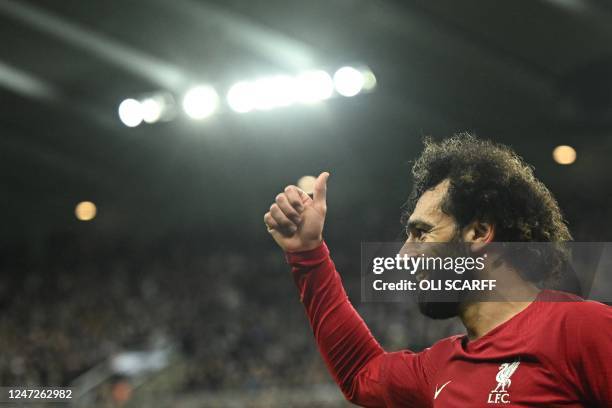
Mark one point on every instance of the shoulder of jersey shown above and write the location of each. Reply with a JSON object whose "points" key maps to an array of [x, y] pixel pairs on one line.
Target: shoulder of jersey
{"points": [[447, 343], [570, 306]]}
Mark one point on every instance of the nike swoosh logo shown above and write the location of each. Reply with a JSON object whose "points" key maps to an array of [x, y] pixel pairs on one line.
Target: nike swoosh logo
{"points": [[439, 390]]}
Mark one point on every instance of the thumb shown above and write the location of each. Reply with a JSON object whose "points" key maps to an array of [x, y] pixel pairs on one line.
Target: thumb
{"points": [[320, 189]]}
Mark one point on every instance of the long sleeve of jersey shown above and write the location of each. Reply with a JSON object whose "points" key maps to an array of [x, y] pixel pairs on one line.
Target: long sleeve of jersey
{"points": [[366, 374]]}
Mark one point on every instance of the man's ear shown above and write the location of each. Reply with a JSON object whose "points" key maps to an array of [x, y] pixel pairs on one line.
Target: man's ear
{"points": [[479, 233]]}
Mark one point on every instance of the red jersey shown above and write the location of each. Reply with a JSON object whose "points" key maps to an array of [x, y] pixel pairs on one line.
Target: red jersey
{"points": [[555, 353]]}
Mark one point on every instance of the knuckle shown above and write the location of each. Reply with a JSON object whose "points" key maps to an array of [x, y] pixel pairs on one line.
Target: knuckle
{"points": [[280, 197], [289, 188], [273, 207]]}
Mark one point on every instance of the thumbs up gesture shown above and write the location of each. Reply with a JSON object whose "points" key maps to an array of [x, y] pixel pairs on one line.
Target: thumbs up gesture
{"points": [[295, 220]]}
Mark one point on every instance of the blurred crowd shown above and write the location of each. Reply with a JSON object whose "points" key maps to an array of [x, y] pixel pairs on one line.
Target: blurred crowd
{"points": [[234, 314]]}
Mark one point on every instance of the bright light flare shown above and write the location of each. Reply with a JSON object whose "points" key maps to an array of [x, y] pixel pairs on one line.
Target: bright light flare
{"points": [[266, 93], [200, 102], [369, 80], [240, 97], [85, 211], [348, 81], [131, 112], [273, 92], [314, 86], [307, 184], [152, 109], [564, 155], [280, 91]]}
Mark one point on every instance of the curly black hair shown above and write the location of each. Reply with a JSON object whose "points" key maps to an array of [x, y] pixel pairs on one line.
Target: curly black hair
{"points": [[489, 182]]}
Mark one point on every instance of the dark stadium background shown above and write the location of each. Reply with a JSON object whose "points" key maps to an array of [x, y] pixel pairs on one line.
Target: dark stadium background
{"points": [[177, 260]]}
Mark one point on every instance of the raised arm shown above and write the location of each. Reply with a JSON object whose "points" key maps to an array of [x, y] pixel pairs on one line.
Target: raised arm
{"points": [[365, 373], [352, 355]]}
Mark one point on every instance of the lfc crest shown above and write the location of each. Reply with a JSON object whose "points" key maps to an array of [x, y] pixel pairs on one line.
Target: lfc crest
{"points": [[500, 394]]}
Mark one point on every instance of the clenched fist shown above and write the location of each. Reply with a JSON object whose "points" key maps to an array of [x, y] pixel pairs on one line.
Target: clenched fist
{"points": [[295, 220]]}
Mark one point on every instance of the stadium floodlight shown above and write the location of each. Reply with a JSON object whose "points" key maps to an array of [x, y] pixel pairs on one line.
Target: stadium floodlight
{"points": [[314, 86], [369, 80], [263, 98], [564, 154], [152, 109], [282, 90], [262, 94], [85, 211], [273, 92], [131, 112], [307, 183], [240, 97], [348, 81], [200, 102]]}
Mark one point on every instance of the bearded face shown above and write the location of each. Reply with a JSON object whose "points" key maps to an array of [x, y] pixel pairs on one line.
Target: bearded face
{"points": [[443, 304], [434, 233]]}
